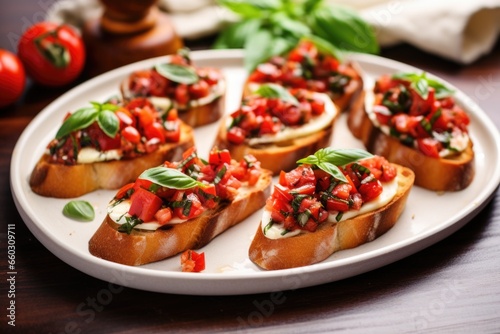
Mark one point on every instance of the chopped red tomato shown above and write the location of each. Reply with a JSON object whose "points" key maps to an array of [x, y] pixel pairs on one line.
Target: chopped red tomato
{"points": [[144, 204], [218, 157], [131, 134], [163, 216], [192, 261], [125, 190]]}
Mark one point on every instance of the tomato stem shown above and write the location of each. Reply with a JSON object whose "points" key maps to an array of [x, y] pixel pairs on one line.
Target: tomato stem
{"points": [[49, 46]]}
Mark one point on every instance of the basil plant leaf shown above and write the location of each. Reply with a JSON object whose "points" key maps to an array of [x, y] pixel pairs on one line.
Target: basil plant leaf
{"points": [[108, 122], [344, 28], [235, 36], [276, 91], [169, 178], [421, 84], [79, 210], [80, 119], [441, 90], [294, 27], [255, 8], [178, 73], [325, 47], [258, 48]]}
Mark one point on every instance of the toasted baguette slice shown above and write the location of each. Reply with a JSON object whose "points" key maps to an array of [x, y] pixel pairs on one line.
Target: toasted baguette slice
{"points": [[62, 181], [197, 113], [444, 174], [282, 154], [141, 247], [308, 248], [278, 156], [351, 98]]}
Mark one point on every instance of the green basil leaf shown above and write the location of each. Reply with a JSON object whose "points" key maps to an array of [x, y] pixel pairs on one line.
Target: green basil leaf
{"points": [[274, 91], [108, 122], [80, 119], [235, 36], [178, 73], [310, 5], [332, 170], [79, 210], [342, 157], [344, 28], [258, 48], [328, 159], [294, 27], [441, 91], [310, 160], [251, 9], [421, 84], [170, 178]]}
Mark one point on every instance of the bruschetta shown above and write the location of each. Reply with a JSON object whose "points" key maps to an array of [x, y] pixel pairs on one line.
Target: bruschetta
{"points": [[105, 146], [334, 200], [198, 93], [278, 126], [314, 67], [413, 120], [179, 206]]}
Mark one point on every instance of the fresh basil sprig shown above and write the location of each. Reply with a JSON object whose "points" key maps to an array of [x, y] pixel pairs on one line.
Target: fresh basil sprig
{"points": [[421, 83], [277, 92], [273, 27], [328, 159], [178, 73], [84, 117], [79, 210], [169, 178]]}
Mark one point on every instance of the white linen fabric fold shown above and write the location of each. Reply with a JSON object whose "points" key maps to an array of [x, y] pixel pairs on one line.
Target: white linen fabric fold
{"points": [[460, 30]]}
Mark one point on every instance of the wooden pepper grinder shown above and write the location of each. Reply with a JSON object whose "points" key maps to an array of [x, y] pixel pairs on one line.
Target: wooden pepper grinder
{"points": [[128, 31]]}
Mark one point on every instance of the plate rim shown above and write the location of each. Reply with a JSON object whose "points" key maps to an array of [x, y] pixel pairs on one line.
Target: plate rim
{"points": [[424, 239]]}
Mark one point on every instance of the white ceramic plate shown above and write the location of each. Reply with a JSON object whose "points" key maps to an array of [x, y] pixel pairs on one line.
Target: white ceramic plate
{"points": [[428, 218]]}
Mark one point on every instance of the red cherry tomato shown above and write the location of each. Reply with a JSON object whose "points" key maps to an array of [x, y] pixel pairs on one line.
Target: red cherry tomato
{"points": [[54, 55], [12, 78]]}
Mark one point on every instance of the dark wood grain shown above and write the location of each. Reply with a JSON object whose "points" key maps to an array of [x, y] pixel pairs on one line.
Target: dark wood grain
{"points": [[452, 286]]}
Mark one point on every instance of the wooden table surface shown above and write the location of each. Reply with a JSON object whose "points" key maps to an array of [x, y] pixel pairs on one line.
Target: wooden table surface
{"points": [[451, 286]]}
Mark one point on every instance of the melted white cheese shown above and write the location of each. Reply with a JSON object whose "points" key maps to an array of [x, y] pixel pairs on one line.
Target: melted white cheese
{"points": [[277, 231], [459, 140], [119, 213], [317, 123], [89, 155]]}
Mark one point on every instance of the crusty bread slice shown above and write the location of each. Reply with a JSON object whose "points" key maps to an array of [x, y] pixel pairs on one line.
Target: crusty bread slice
{"points": [[62, 181], [308, 248], [280, 155], [444, 174], [141, 247], [197, 113], [351, 98]]}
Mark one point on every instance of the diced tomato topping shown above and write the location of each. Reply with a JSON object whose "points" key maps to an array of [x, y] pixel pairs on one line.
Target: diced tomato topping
{"points": [[192, 261], [370, 190], [131, 134], [236, 135], [124, 190], [181, 94], [155, 130], [163, 216], [429, 146], [172, 131], [144, 204], [218, 157], [199, 89]]}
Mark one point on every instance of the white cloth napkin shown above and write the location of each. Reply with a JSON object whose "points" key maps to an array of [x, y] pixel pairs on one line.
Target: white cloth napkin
{"points": [[460, 30]]}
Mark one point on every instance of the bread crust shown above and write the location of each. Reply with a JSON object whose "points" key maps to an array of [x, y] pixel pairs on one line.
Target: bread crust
{"points": [[308, 248], [444, 174], [141, 247], [277, 156], [62, 181]]}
